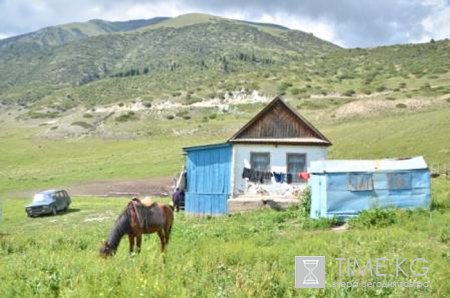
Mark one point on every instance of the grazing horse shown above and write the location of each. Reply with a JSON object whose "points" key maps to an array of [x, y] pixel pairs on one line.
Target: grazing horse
{"points": [[140, 217]]}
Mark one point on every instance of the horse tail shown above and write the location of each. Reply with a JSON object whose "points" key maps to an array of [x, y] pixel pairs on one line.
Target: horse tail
{"points": [[168, 214]]}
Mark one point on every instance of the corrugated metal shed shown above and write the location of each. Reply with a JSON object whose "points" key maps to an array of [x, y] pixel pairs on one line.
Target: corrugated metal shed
{"points": [[208, 179], [344, 188]]}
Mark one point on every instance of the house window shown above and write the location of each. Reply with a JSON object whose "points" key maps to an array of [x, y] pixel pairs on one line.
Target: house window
{"points": [[296, 163], [360, 182], [260, 161], [399, 180]]}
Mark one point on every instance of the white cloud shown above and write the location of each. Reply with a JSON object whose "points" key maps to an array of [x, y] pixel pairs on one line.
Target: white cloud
{"points": [[437, 25], [320, 27]]}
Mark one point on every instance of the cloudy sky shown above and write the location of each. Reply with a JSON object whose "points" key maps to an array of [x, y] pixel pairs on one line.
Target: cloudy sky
{"points": [[349, 23]]}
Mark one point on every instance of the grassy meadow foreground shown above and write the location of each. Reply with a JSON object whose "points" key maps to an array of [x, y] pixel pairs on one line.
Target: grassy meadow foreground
{"points": [[241, 255]]}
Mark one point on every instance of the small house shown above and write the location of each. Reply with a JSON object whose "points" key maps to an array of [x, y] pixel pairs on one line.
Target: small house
{"points": [[263, 160], [343, 188]]}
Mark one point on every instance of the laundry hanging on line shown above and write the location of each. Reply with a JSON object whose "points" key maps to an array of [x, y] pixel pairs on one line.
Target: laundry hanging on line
{"points": [[256, 176], [279, 177]]}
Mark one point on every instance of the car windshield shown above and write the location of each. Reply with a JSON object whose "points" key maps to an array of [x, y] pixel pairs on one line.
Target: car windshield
{"points": [[40, 197]]}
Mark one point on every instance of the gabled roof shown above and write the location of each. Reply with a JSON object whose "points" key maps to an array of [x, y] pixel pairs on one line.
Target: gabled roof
{"points": [[279, 123]]}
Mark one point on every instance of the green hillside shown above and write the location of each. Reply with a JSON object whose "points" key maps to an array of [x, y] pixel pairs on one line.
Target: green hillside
{"points": [[58, 35], [198, 45]]}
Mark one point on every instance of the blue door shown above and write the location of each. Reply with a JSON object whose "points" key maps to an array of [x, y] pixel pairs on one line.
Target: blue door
{"points": [[208, 179]]}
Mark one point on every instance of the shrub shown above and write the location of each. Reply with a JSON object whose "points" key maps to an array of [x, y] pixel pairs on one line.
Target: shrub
{"points": [[170, 117], [147, 104], [82, 124], [128, 116], [87, 115], [349, 93], [284, 86], [374, 217], [306, 201], [381, 88], [38, 115], [213, 116], [295, 91], [401, 106], [390, 98], [425, 86], [191, 99]]}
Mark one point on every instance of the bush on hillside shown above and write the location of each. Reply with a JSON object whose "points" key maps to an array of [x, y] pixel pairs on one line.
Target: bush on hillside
{"points": [[128, 116], [82, 124], [349, 93]]}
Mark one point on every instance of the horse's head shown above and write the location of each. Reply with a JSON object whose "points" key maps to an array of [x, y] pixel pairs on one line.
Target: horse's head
{"points": [[106, 250]]}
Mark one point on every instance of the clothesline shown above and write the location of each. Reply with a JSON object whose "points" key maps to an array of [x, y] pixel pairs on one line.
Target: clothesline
{"points": [[280, 177]]}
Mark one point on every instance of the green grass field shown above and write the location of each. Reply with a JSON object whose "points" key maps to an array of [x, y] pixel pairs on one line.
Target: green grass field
{"points": [[241, 255], [237, 256]]}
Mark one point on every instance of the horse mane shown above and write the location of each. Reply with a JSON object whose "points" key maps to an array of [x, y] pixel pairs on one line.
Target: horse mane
{"points": [[125, 212], [121, 227]]}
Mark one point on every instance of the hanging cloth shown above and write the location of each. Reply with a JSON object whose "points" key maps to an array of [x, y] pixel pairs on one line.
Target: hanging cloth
{"points": [[304, 176], [289, 178], [246, 173]]}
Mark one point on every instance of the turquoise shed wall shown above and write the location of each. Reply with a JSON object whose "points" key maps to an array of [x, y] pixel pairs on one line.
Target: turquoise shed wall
{"points": [[208, 179], [331, 195], [318, 195]]}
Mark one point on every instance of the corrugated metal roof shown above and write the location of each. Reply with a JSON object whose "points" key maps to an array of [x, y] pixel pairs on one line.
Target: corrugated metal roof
{"points": [[340, 166], [203, 147]]}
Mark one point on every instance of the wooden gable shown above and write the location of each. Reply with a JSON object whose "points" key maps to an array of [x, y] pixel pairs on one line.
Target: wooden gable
{"points": [[279, 123]]}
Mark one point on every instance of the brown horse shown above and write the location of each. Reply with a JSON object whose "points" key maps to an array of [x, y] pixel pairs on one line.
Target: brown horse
{"points": [[140, 217]]}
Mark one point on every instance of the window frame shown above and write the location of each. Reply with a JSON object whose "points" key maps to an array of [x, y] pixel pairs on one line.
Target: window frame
{"points": [[295, 178], [353, 188], [395, 186], [253, 153]]}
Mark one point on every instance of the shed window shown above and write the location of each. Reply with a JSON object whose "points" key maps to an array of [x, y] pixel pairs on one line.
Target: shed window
{"points": [[399, 180], [260, 161], [296, 163], [360, 182]]}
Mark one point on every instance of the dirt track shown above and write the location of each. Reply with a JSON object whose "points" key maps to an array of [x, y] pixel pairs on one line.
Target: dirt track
{"points": [[141, 187]]}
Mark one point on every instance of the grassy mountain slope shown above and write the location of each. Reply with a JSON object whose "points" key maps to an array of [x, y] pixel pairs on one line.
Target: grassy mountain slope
{"points": [[196, 57], [187, 44], [58, 35]]}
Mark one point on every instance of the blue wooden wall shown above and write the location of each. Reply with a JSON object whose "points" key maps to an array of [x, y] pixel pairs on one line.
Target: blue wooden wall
{"points": [[332, 196], [208, 179]]}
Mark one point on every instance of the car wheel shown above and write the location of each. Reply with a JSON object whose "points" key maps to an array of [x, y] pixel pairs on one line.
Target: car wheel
{"points": [[54, 211]]}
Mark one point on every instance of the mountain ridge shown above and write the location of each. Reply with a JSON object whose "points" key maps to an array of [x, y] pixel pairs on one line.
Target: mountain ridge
{"points": [[195, 56]]}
